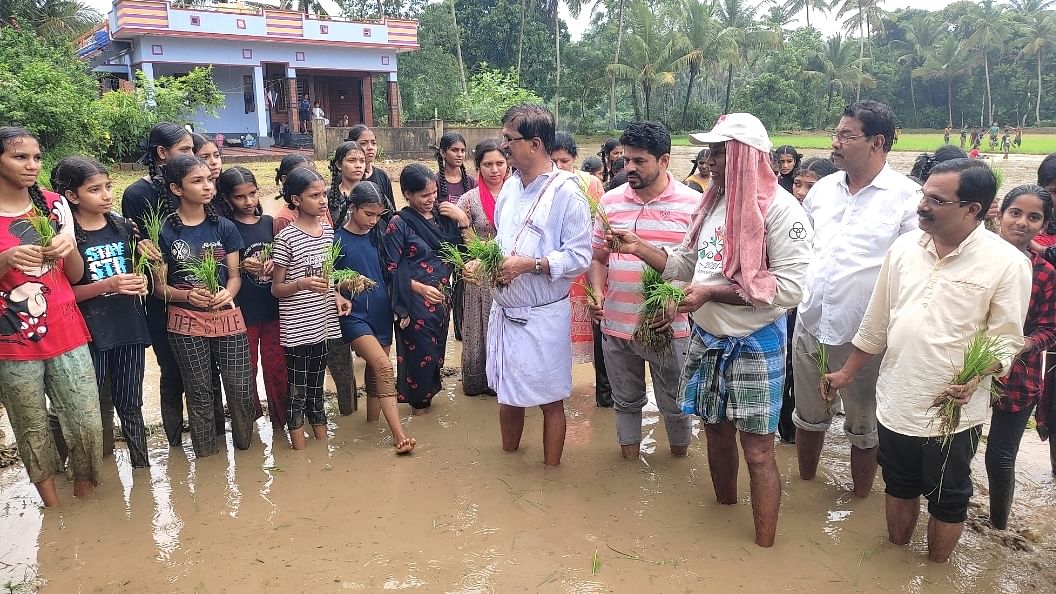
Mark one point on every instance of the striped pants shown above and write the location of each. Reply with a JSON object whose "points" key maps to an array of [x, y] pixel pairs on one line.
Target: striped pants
{"points": [[305, 369], [124, 365], [196, 357]]}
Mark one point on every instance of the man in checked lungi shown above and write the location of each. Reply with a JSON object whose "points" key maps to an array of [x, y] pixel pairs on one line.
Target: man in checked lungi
{"points": [[746, 257]]}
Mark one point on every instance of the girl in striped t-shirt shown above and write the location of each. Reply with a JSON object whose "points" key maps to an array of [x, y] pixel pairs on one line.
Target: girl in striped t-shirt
{"points": [[307, 311]]}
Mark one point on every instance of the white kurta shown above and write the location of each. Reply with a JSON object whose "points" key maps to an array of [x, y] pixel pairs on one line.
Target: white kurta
{"points": [[529, 350]]}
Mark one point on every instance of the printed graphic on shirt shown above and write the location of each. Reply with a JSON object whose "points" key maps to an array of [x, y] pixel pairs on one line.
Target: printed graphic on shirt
{"points": [[24, 311], [710, 253], [798, 231], [182, 253], [253, 251], [105, 261]]}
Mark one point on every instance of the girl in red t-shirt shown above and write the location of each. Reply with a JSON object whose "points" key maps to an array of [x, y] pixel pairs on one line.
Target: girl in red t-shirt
{"points": [[43, 337]]}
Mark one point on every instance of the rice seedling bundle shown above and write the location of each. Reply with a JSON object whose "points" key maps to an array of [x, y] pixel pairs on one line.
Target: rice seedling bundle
{"points": [[140, 263], [153, 221], [352, 282], [821, 359], [598, 214], [264, 255], [330, 257], [657, 295], [981, 352], [205, 270], [41, 224], [486, 251]]}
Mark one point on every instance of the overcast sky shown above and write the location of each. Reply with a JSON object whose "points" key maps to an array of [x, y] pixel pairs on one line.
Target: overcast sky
{"points": [[826, 24]]}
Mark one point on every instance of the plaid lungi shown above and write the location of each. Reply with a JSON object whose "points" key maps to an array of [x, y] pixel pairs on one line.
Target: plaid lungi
{"points": [[736, 379]]}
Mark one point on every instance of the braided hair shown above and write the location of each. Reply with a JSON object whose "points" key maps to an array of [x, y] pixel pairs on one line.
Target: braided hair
{"points": [[701, 154], [606, 150], [296, 182], [226, 183], [10, 134], [447, 141], [71, 174], [175, 170], [337, 202], [162, 135]]}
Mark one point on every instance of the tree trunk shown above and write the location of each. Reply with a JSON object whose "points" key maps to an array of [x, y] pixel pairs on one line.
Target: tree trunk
{"points": [[828, 104], [557, 89], [1037, 106], [729, 87], [689, 90], [381, 9], [989, 98], [647, 97], [807, 6], [949, 97], [458, 50], [520, 42], [913, 99], [612, 77], [861, 56]]}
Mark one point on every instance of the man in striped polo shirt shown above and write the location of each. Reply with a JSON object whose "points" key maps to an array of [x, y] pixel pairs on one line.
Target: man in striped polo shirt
{"points": [[659, 210]]}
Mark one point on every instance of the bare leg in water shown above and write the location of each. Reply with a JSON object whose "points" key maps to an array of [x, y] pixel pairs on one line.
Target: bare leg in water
{"points": [[381, 390]]}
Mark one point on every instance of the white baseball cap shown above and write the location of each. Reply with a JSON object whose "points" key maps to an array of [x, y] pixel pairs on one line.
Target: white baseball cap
{"points": [[742, 127]]}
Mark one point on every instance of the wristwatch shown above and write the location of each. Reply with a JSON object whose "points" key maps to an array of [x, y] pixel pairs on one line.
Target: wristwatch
{"points": [[538, 266]]}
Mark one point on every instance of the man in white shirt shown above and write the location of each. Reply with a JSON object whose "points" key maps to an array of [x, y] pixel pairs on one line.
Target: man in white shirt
{"points": [[544, 226], [745, 257], [938, 287], [856, 214]]}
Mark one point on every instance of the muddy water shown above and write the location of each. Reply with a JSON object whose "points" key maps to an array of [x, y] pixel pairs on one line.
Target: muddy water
{"points": [[461, 515]]}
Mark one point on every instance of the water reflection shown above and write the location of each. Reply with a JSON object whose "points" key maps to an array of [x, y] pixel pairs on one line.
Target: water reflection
{"points": [[165, 523]]}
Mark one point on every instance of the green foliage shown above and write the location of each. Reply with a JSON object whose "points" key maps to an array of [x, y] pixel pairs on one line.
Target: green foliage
{"points": [[491, 93], [129, 115]]}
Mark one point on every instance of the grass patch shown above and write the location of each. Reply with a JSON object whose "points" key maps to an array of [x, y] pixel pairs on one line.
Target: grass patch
{"points": [[1033, 144]]}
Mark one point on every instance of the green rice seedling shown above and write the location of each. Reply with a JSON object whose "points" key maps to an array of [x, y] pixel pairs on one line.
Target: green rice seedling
{"points": [[153, 221], [41, 224], [330, 257], [489, 253], [264, 255], [140, 263], [205, 270], [657, 295], [821, 359], [351, 281], [982, 351], [451, 255], [598, 214]]}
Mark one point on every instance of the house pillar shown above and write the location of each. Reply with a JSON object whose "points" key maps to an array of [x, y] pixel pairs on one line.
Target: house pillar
{"points": [[366, 97], [394, 101], [291, 83], [261, 102]]}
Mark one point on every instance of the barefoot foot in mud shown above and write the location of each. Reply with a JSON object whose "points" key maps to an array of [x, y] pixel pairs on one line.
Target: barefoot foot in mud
{"points": [[404, 446]]}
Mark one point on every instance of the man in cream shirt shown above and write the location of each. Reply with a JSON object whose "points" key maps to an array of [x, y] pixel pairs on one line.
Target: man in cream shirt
{"points": [[856, 214], [937, 288]]}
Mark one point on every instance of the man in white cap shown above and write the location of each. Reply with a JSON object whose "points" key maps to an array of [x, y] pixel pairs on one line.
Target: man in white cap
{"points": [[746, 257]]}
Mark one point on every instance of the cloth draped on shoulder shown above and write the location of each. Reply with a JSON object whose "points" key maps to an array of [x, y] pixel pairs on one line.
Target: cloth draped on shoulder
{"points": [[440, 230], [750, 189]]}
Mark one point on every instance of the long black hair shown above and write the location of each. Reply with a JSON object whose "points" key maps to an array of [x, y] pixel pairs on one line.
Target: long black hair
{"points": [[174, 171], [364, 194], [228, 180], [1046, 178], [701, 154], [289, 163], [162, 135], [447, 141], [1030, 190], [606, 149], [69, 175], [819, 166], [335, 200], [296, 182], [8, 135]]}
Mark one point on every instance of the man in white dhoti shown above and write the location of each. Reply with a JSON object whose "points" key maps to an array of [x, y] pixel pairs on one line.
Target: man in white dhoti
{"points": [[544, 228]]}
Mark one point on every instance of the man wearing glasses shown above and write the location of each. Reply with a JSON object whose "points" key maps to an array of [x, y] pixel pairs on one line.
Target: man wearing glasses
{"points": [[857, 214], [937, 288]]}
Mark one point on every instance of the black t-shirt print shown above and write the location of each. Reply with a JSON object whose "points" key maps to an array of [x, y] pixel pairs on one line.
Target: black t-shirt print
{"points": [[255, 298], [114, 320]]}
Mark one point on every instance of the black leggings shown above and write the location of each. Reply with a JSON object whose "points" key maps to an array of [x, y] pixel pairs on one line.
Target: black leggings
{"points": [[305, 369], [1002, 446]]}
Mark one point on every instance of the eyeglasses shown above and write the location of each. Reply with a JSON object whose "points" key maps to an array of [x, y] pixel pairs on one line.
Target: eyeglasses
{"points": [[507, 139], [933, 201], [843, 137]]}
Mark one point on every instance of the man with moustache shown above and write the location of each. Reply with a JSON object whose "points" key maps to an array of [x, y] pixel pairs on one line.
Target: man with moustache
{"points": [[659, 210], [856, 215], [938, 286]]}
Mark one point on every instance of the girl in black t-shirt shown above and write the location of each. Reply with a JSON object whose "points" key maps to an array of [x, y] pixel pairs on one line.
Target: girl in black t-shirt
{"points": [[237, 194], [109, 294], [205, 327], [369, 142]]}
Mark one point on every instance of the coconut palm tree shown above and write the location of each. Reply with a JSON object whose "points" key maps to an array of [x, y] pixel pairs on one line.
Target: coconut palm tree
{"points": [[838, 68], [738, 15], [946, 60], [987, 28], [648, 63], [867, 17], [305, 6], [794, 6], [50, 18], [777, 16], [615, 60], [919, 36], [702, 43], [1040, 29]]}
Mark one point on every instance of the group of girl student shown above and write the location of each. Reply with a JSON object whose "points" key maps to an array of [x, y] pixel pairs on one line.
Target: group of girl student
{"points": [[452, 181], [238, 201], [365, 317], [786, 161], [479, 206], [44, 344], [206, 329], [610, 152], [142, 198], [1025, 212], [109, 294], [700, 174], [420, 283], [368, 141], [307, 310]]}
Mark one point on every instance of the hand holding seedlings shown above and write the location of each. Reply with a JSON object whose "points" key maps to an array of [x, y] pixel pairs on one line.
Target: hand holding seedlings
{"points": [[222, 299], [695, 297], [127, 284], [200, 298], [512, 267], [317, 284], [431, 294], [351, 282], [473, 273], [832, 383], [963, 393], [59, 247], [25, 258], [148, 249], [595, 306], [622, 242], [253, 266]]}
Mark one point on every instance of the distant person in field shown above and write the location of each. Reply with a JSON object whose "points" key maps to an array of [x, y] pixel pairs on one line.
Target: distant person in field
{"points": [[964, 135], [857, 214], [699, 176], [946, 134], [786, 159], [938, 286], [1018, 140]]}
